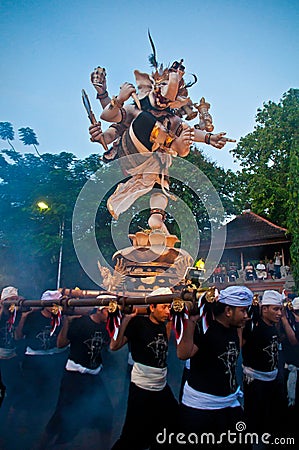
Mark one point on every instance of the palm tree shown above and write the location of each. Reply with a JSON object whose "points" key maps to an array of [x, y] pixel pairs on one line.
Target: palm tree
{"points": [[28, 137], [7, 133]]}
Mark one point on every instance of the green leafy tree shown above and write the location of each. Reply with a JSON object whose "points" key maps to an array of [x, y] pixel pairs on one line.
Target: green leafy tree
{"points": [[29, 238], [7, 133], [264, 156], [293, 208], [224, 182], [28, 137], [270, 174]]}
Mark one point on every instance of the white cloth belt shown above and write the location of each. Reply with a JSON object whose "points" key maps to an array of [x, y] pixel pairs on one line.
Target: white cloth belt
{"points": [[149, 378], [130, 359], [51, 351], [252, 374], [291, 383], [7, 353], [187, 363], [75, 367], [203, 400]]}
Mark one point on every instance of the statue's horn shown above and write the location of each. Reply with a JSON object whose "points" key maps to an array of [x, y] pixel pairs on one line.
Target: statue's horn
{"points": [[153, 57], [191, 84]]}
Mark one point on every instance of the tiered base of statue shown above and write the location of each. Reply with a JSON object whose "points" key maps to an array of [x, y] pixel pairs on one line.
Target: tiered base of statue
{"points": [[152, 261]]}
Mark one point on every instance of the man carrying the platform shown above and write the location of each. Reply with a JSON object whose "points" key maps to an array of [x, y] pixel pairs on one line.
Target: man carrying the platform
{"points": [[263, 391], [83, 400], [43, 361], [290, 352], [210, 403], [151, 403], [9, 361]]}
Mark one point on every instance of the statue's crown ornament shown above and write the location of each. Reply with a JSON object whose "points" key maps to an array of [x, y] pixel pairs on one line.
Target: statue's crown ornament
{"points": [[161, 74]]}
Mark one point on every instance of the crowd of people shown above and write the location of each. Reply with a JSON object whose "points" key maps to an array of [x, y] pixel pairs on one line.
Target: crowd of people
{"points": [[262, 270], [54, 366]]}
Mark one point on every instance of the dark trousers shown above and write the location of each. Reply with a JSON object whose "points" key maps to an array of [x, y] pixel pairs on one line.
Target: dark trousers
{"points": [[83, 403], [264, 406], [208, 425], [12, 380], [277, 271], [42, 375], [148, 413]]}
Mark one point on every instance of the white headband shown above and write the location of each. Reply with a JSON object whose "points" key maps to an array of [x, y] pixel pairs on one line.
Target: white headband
{"points": [[295, 303], [236, 296], [271, 298]]}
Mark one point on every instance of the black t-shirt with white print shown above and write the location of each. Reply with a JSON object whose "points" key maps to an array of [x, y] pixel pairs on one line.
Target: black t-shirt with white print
{"points": [[290, 351], [87, 339], [260, 351], [7, 331], [148, 341], [37, 331], [213, 367]]}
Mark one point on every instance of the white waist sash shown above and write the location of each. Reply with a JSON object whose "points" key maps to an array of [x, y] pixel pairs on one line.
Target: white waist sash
{"points": [[291, 383], [203, 400], [51, 351], [149, 378], [7, 353], [187, 363], [252, 374], [130, 359], [75, 367]]}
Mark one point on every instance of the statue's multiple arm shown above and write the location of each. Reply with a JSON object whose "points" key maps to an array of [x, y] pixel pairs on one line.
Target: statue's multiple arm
{"points": [[98, 79], [96, 132], [217, 140], [114, 111]]}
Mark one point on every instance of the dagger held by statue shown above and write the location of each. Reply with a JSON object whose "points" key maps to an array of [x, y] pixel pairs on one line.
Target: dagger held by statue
{"points": [[91, 116]]}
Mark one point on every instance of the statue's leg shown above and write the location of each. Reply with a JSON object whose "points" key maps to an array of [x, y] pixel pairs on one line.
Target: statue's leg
{"points": [[158, 203]]}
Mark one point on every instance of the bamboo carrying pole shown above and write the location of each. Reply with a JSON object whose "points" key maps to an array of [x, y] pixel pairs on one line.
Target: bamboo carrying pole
{"points": [[103, 298]]}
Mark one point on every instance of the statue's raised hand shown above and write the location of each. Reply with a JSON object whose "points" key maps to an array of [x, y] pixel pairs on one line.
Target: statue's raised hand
{"points": [[95, 132], [126, 90], [98, 79], [219, 140], [182, 143]]}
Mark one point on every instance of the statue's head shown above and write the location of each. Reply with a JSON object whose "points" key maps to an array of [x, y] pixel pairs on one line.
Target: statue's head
{"points": [[165, 88]]}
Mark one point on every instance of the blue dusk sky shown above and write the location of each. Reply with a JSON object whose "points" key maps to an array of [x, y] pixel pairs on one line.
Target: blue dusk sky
{"points": [[244, 53]]}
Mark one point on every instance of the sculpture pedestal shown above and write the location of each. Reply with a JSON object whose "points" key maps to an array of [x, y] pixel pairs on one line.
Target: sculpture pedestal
{"points": [[156, 264]]}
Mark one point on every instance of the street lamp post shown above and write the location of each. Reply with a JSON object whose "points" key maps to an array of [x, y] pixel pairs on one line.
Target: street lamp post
{"points": [[44, 207], [61, 233]]}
